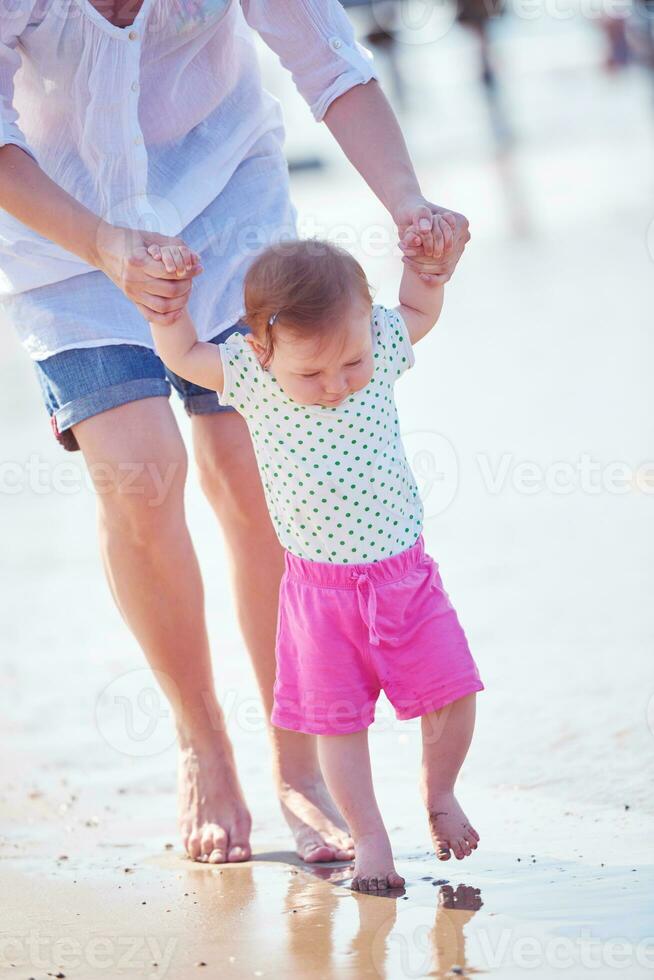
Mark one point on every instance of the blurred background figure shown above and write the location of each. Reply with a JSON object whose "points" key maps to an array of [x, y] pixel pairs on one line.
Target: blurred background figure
{"points": [[640, 35]]}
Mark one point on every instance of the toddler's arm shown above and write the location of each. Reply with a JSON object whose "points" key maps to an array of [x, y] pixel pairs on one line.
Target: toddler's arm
{"points": [[179, 348], [421, 300]]}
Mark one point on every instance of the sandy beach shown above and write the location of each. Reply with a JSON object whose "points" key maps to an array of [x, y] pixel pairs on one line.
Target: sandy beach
{"points": [[527, 419]]}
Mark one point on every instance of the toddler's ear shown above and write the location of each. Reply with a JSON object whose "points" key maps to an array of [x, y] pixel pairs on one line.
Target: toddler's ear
{"points": [[257, 349]]}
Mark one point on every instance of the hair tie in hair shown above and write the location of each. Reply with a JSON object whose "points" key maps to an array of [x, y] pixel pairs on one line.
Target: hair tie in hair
{"points": [[271, 319]]}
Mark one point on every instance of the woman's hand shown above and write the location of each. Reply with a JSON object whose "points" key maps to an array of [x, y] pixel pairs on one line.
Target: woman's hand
{"points": [[155, 291], [421, 237]]}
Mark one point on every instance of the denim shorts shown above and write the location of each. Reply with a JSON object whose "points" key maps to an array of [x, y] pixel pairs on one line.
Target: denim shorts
{"points": [[86, 381]]}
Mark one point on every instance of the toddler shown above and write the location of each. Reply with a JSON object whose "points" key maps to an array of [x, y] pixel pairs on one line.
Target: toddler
{"points": [[362, 606]]}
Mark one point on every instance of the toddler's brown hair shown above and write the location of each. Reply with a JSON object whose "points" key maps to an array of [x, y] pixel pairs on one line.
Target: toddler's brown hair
{"points": [[304, 285]]}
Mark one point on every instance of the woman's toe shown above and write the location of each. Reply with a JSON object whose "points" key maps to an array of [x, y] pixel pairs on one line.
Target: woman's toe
{"points": [[213, 839], [315, 852], [395, 880], [239, 852]]}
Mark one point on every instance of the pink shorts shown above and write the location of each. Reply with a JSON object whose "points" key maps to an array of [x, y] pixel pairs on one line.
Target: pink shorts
{"points": [[345, 632]]}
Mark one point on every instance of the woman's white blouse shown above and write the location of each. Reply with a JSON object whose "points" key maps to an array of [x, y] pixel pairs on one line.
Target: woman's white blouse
{"points": [[145, 124]]}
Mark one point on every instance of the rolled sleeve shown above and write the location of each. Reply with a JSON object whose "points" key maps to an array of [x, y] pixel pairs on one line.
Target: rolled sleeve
{"points": [[315, 41], [10, 27]]}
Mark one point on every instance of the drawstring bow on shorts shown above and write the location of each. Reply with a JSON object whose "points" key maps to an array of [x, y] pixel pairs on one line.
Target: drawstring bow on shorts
{"points": [[367, 599]]}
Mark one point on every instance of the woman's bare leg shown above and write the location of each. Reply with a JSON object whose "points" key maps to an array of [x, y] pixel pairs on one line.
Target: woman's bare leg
{"points": [[230, 479], [345, 761], [138, 462]]}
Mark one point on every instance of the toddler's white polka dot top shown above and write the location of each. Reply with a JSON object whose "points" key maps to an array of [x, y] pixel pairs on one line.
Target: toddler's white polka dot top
{"points": [[337, 481]]}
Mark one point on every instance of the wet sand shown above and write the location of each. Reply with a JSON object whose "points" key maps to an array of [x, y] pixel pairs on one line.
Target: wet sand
{"points": [[93, 885], [543, 357]]}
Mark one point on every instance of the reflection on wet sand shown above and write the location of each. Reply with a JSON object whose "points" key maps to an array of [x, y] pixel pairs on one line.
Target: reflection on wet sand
{"points": [[309, 925], [425, 941], [455, 908], [325, 929]]}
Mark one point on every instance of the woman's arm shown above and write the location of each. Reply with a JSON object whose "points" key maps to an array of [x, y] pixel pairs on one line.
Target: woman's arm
{"points": [[364, 124], [335, 75], [27, 193], [30, 195]]}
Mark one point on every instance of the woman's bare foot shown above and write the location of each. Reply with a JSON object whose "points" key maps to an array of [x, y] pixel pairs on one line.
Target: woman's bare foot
{"points": [[450, 829], [213, 818], [319, 830], [374, 870]]}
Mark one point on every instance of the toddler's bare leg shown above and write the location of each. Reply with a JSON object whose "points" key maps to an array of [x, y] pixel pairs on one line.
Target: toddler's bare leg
{"points": [[345, 762], [446, 737]]}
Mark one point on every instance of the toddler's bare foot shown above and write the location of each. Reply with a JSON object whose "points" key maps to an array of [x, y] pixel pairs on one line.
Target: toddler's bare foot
{"points": [[374, 869], [213, 817], [450, 828]]}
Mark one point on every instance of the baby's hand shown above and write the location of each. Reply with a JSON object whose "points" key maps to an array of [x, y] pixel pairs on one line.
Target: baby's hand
{"points": [[179, 259], [428, 268]]}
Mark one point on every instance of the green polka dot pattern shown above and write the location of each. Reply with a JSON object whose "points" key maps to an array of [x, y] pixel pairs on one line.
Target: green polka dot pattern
{"points": [[337, 481]]}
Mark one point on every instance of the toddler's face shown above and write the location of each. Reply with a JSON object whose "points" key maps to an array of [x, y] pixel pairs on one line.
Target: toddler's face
{"points": [[327, 369]]}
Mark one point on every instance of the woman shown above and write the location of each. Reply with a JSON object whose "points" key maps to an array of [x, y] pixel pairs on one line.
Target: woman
{"points": [[160, 120]]}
